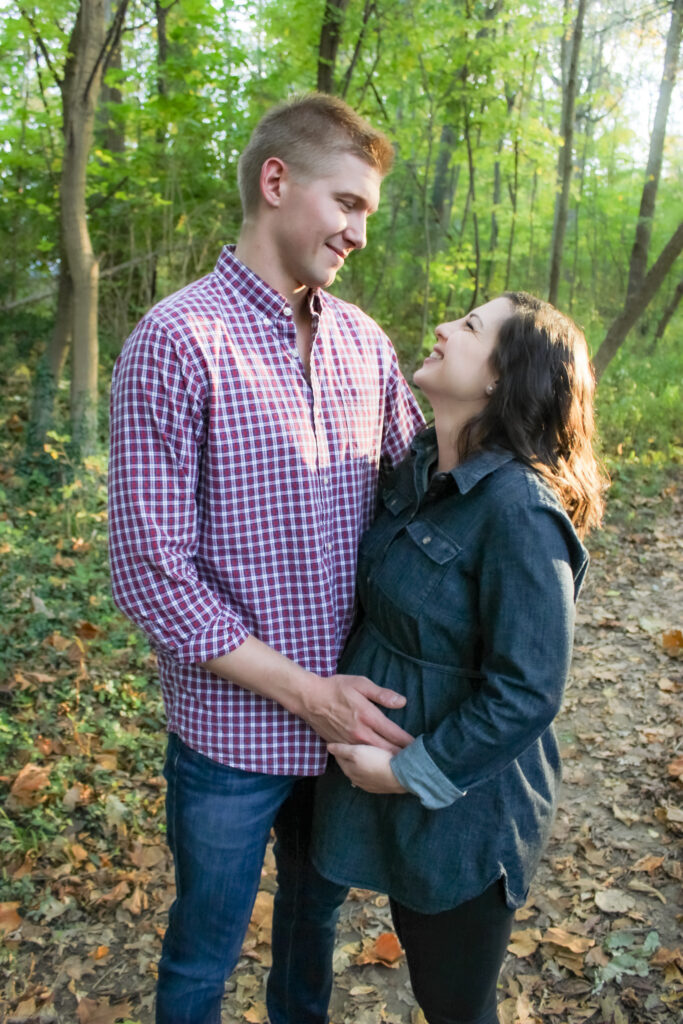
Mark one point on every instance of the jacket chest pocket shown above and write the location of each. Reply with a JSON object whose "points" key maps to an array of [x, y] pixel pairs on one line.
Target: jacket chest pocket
{"points": [[415, 565]]}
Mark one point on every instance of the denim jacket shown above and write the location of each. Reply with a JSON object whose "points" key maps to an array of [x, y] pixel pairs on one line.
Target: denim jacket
{"points": [[467, 587]]}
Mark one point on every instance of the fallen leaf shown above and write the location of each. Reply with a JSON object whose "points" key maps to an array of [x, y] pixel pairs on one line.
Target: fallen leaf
{"points": [[144, 856], [669, 815], [639, 886], [27, 788], [525, 942], [568, 940], [663, 957], [675, 769], [261, 922], [672, 642], [256, 1014], [109, 761], [115, 895], [99, 953], [386, 949], [9, 919], [77, 795], [625, 816], [136, 903], [648, 863], [91, 1011], [614, 901]]}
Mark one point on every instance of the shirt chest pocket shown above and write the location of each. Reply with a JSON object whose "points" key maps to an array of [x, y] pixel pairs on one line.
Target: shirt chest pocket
{"points": [[415, 565]]}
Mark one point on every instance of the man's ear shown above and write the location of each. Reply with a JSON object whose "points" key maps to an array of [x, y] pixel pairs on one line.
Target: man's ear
{"points": [[274, 174]]}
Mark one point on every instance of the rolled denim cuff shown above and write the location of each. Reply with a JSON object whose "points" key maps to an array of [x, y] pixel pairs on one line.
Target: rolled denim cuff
{"points": [[418, 773]]}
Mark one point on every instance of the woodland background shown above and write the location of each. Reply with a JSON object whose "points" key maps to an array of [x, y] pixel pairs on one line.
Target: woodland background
{"points": [[538, 146]]}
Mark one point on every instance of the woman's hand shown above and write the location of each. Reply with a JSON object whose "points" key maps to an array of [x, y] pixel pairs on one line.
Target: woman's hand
{"points": [[366, 767]]}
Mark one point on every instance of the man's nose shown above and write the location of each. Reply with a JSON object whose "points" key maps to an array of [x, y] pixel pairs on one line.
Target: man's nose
{"points": [[355, 231]]}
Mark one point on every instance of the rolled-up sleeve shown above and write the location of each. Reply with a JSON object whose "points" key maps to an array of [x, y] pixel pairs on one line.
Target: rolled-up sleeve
{"points": [[157, 429]]}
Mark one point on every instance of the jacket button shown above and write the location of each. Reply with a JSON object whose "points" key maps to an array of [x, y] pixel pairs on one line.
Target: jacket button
{"points": [[426, 540]]}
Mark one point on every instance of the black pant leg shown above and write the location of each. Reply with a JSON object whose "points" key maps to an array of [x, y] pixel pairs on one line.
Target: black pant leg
{"points": [[454, 957]]}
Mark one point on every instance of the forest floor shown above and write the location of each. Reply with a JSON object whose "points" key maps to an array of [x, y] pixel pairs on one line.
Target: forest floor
{"points": [[600, 937]]}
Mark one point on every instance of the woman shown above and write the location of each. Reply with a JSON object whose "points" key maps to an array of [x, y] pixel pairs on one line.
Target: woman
{"points": [[467, 582]]}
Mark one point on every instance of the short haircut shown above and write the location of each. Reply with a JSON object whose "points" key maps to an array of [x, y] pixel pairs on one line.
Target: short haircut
{"points": [[304, 132]]}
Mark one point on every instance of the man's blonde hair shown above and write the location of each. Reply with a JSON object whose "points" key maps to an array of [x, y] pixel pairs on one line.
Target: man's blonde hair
{"points": [[304, 133]]}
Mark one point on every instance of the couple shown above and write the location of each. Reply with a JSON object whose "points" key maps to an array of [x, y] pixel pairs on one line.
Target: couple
{"points": [[252, 413]]}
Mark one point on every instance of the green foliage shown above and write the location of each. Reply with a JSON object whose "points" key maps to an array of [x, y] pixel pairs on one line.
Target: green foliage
{"points": [[628, 957], [78, 687], [639, 417]]}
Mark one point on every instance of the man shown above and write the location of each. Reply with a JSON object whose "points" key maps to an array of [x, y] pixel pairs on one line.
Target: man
{"points": [[250, 412]]}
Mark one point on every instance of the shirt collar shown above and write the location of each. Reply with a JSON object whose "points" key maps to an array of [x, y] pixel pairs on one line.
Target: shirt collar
{"points": [[254, 289], [470, 472]]}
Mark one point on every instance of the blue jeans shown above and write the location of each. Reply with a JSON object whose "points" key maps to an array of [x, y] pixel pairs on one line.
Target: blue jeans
{"points": [[219, 820]]}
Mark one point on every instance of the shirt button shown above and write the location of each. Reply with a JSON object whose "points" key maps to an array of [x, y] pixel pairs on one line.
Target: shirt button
{"points": [[287, 311], [426, 540], [266, 321]]}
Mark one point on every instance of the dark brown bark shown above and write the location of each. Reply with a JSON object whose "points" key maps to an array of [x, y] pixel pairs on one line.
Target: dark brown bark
{"points": [[443, 188], [566, 156], [641, 244], [330, 35], [635, 305], [666, 317], [90, 48]]}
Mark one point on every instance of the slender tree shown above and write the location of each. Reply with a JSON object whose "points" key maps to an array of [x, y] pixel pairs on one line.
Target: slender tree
{"points": [[330, 36], [566, 155], [641, 243], [636, 305], [666, 316]]}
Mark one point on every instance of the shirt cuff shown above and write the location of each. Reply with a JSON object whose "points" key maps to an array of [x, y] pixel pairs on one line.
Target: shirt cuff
{"points": [[221, 637], [418, 773]]}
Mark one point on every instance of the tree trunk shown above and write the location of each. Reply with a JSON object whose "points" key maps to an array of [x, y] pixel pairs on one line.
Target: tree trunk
{"points": [[50, 367], [330, 35], [368, 10], [443, 187], [90, 46], [80, 87], [475, 218], [666, 317], [566, 157], [641, 243], [637, 303]]}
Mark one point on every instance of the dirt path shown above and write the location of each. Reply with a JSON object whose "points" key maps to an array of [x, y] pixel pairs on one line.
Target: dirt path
{"points": [[598, 938]]}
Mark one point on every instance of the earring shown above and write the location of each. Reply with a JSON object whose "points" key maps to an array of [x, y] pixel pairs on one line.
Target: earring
{"points": [[490, 388]]}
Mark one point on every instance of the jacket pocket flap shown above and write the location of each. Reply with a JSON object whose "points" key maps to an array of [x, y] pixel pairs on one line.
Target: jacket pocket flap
{"points": [[432, 541], [395, 501]]}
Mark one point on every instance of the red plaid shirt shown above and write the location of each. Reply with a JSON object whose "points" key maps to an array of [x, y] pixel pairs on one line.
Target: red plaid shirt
{"points": [[238, 493]]}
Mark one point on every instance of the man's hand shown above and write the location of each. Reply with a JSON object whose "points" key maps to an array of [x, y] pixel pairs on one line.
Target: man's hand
{"points": [[343, 709], [366, 767]]}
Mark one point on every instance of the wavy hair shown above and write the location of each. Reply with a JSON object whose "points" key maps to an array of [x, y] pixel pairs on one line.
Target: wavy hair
{"points": [[542, 407]]}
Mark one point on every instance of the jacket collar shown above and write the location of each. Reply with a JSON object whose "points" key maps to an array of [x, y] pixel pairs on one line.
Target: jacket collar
{"points": [[468, 474]]}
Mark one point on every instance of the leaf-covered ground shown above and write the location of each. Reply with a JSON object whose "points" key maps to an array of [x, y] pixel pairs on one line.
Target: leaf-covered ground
{"points": [[87, 880]]}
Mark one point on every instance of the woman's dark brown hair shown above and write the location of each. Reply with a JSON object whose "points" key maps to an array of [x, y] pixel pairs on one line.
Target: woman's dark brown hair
{"points": [[542, 407]]}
